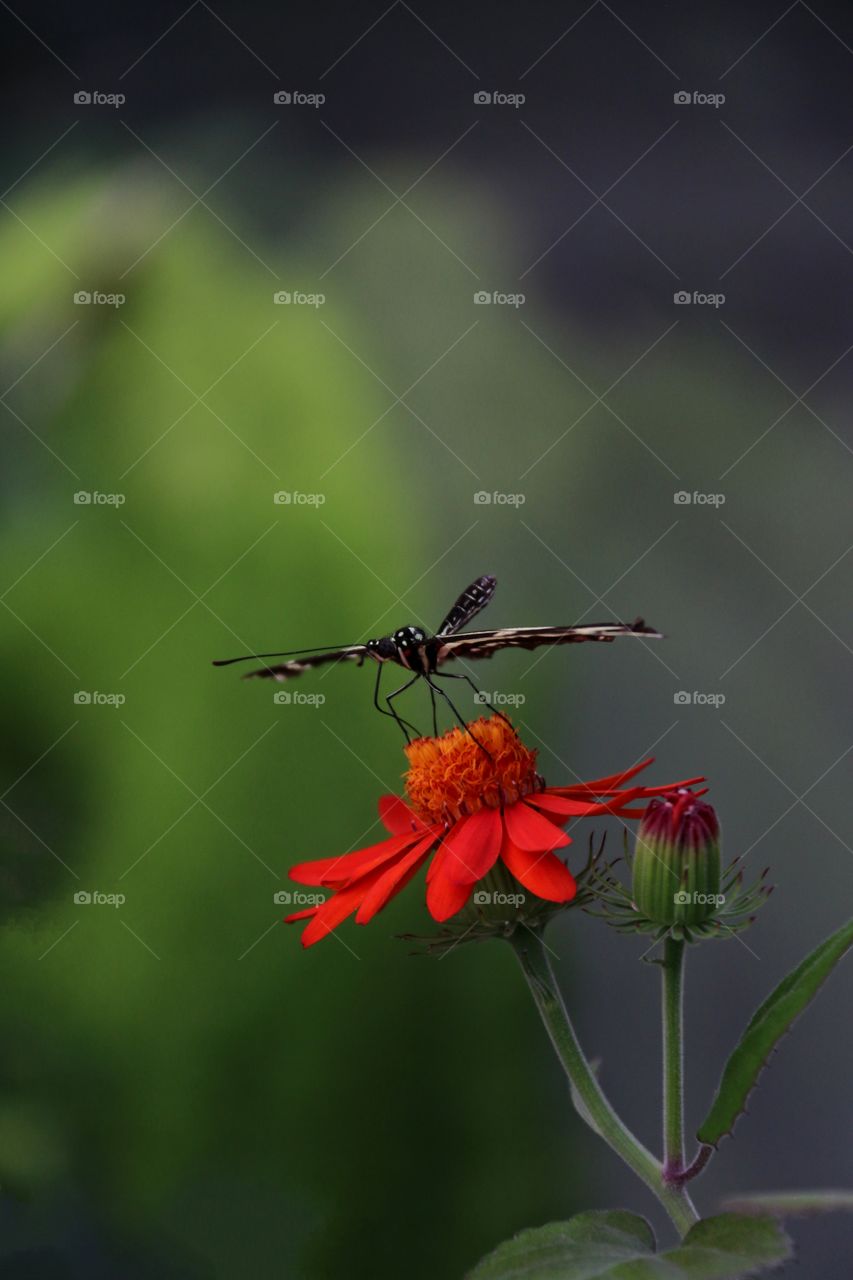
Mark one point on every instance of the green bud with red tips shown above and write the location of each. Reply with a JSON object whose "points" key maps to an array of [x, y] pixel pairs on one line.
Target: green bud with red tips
{"points": [[676, 864]]}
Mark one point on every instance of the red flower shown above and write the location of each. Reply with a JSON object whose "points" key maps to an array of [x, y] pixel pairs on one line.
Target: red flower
{"points": [[472, 809]]}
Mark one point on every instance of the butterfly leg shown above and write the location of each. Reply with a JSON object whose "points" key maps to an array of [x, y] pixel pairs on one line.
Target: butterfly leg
{"points": [[452, 675], [455, 710], [434, 713], [402, 723], [392, 713]]}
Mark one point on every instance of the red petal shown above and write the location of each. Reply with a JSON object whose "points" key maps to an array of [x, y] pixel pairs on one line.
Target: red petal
{"points": [[392, 881], [336, 908], [473, 846], [613, 784], [397, 817], [674, 786], [560, 807], [444, 898], [542, 873], [531, 830], [301, 915], [348, 866]]}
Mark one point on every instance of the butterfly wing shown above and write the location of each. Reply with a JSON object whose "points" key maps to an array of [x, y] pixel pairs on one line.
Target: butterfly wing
{"points": [[483, 644], [469, 604], [287, 670]]}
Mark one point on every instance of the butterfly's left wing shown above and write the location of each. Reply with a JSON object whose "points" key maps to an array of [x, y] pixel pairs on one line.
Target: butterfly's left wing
{"points": [[483, 644], [296, 666]]}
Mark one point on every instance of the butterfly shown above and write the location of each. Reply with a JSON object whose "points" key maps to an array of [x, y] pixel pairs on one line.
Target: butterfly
{"points": [[422, 655]]}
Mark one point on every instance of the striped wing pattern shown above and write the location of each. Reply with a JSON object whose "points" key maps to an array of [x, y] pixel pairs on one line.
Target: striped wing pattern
{"points": [[472, 600], [295, 667], [449, 642], [483, 644]]}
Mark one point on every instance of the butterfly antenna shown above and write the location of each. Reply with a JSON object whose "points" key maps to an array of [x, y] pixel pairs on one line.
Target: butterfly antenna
{"points": [[291, 653]]}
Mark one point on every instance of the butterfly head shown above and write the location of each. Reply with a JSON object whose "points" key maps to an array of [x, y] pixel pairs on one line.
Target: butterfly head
{"points": [[382, 649]]}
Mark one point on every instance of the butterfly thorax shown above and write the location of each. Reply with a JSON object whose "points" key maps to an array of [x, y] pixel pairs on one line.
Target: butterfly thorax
{"points": [[408, 647]]}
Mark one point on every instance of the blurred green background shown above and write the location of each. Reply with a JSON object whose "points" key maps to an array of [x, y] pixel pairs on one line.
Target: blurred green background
{"points": [[184, 1091]]}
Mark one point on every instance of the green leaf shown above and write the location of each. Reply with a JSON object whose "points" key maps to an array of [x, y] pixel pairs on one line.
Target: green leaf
{"points": [[588, 1245], [731, 1246], [768, 1024], [612, 1245], [789, 1204]]}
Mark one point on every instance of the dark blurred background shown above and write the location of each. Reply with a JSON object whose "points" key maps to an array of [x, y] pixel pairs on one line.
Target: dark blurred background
{"points": [[184, 1092]]}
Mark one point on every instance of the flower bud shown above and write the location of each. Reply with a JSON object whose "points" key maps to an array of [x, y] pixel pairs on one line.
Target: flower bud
{"points": [[676, 866]]}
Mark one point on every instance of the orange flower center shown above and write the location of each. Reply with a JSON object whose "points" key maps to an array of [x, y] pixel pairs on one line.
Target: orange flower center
{"points": [[452, 775]]}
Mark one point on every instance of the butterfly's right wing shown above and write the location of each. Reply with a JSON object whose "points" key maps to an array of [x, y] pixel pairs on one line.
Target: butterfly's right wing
{"points": [[469, 604], [483, 644], [295, 666]]}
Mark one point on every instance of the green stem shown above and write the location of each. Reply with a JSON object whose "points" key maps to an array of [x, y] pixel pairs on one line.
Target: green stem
{"points": [[589, 1096], [673, 1064]]}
